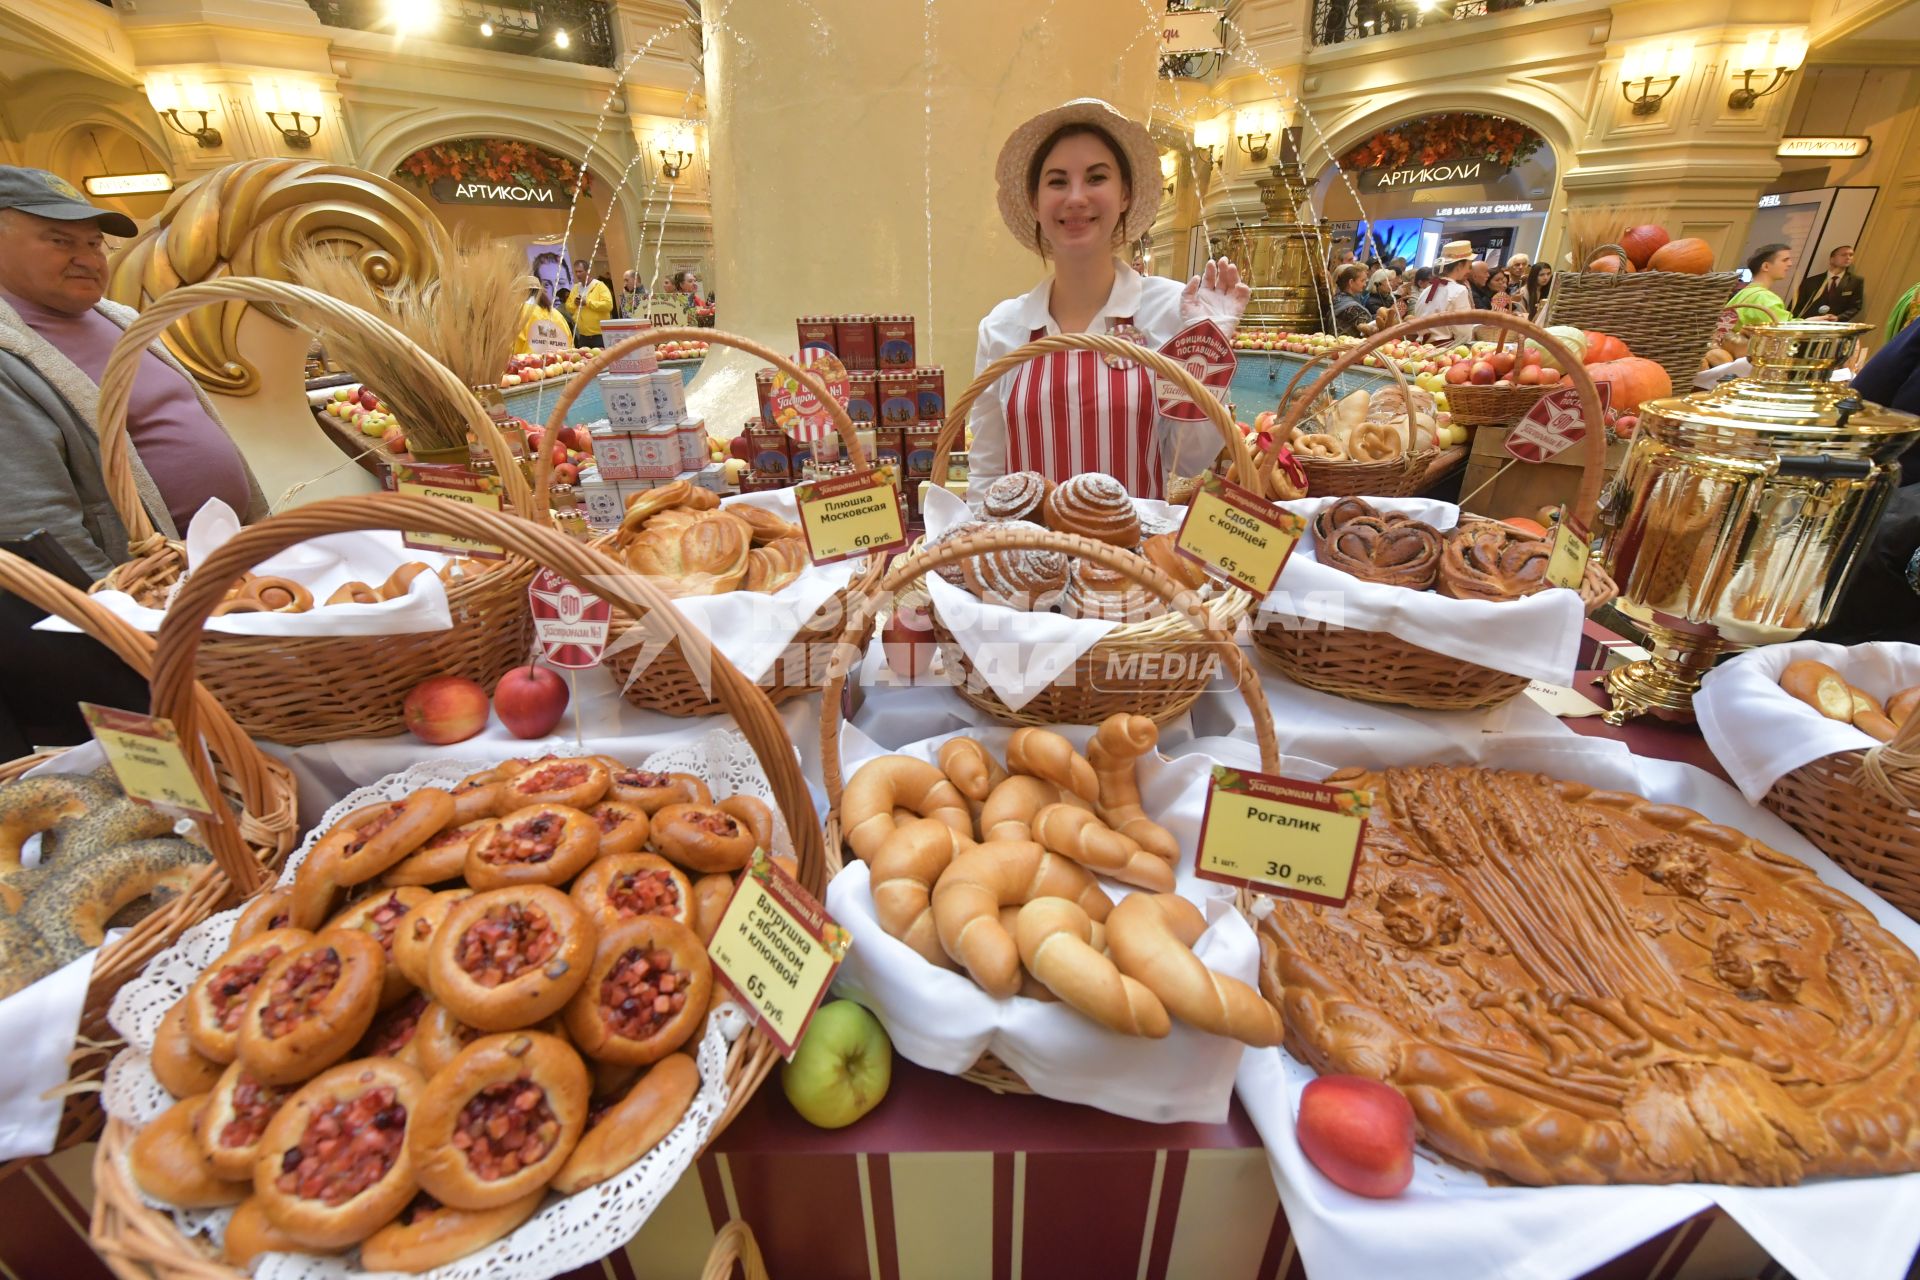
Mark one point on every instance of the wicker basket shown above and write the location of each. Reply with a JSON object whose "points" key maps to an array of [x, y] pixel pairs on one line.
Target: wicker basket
{"points": [[1376, 666], [990, 1072], [672, 685], [140, 1242], [1345, 478], [260, 789], [1088, 693], [1666, 316], [1862, 809], [322, 688]]}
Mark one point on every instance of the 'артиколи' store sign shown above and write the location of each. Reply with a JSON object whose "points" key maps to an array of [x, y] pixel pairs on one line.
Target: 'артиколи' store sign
{"points": [[1447, 173], [523, 195]]}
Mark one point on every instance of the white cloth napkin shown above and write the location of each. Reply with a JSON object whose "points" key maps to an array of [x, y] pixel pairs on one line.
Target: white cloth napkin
{"points": [[751, 629], [321, 565], [1759, 732], [1451, 1225], [1537, 637], [941, 1020], [1016, 652]]}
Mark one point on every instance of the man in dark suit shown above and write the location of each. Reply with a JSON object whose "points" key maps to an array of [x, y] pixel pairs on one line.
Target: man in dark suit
{"points": [[1837, 295]]}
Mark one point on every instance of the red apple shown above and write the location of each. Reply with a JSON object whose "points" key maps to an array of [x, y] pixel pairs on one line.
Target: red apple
{"points": [[1529, 375], [566, 473], [530, 701], [1359, 1132], [393, 440], [557, 454], [907, 640], [1502, 362], [1457, 373], [576, 437], [446, 709], [535, 436], [1482, 373]]}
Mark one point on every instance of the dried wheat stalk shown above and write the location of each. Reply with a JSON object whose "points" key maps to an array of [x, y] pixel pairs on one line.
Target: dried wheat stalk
{"points": [[1590, 228], [464, 313]]}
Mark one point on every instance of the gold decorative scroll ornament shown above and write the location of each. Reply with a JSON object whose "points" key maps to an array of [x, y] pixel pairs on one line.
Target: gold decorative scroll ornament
{"points": [[247, 219]]}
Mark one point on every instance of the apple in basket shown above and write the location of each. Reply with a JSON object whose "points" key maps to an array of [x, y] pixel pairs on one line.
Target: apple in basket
{"points": [[907, 640], [1359, 1132], [842, 1067], [446, 709], [530, 701]]}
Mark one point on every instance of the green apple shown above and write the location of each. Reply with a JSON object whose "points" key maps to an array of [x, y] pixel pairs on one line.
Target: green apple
{"points": [[841, 1069]]}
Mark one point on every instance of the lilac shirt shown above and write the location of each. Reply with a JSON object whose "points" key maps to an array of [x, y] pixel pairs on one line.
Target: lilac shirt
{"points": [[188, 454]]}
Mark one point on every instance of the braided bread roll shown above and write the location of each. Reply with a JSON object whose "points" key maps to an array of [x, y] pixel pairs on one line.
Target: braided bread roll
{"points": [[904, 873], [1077, 834], [1115, 753], [1094, 506], [1488, 561], [1009, 811], [1055, 938], [1151, 937], [976, 884], [887, 783], [1045, 754]]}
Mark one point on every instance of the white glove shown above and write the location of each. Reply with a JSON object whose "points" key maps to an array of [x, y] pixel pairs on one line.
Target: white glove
{"points": [[1216, 294]]}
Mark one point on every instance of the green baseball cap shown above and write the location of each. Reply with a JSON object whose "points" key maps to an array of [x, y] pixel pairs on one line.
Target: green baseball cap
{"points": [[48, 195]]}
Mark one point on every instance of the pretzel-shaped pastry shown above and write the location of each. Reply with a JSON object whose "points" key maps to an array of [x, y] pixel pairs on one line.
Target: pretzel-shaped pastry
{"points": [[887, 783], [970, 892], [1404, 554], [1046, 754], [1151, 937], [1090, 842], [904, 872], [1320, 445], [1341, 510], [1114, 752], [1288, 479], [1486, 560], [1055, 939], [1373, 442]]}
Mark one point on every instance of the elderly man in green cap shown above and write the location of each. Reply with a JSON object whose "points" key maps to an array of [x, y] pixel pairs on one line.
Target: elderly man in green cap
{"points": [[56, 331]]}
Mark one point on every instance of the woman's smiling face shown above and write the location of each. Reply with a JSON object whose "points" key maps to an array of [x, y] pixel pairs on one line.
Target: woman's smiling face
{"points": [[1081, 197]]}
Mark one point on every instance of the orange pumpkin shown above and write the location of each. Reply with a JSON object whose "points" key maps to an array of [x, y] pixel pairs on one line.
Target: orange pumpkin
{"points": [[1604, 346], [1611, 264], [1525, 525], [1690, 256], [1631, 381], [1642, 242]]}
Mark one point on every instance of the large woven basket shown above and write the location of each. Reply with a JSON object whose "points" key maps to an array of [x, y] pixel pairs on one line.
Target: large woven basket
{"points": [[1097, 685], [264, 826], [990, 1071], [1376, 666], [320, 689], [137, 1241], [1862, 808], [1666, 316], [672, 685], [1411, 472]]}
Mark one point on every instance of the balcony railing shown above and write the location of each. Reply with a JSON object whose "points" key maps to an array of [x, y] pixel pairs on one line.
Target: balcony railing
{"points": [[565, 30], [1338, 21]]}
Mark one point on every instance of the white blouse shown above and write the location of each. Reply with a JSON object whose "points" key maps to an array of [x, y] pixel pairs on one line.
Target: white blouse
{"points": [[1154, 303], [1450, 296]]}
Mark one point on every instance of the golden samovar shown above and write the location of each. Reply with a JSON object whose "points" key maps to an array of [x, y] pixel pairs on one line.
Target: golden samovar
{"points": [[1740, 513], [1284, 256]]}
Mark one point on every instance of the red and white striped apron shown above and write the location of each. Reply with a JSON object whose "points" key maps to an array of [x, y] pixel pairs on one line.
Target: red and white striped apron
{"points": [[1070, 412]]}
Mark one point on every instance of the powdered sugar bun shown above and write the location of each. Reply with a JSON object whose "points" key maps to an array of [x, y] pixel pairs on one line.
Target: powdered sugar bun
{"points": [[1018, 577], [1018, 496], [1094, 506], [1095, 591], [954, 571]]}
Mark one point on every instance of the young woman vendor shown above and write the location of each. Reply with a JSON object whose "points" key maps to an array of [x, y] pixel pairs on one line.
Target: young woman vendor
{"points": [[1077, 185]]}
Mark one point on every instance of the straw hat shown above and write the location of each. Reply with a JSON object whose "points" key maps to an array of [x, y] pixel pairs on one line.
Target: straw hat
{"points": [[1455, 251], [1017, 156]]}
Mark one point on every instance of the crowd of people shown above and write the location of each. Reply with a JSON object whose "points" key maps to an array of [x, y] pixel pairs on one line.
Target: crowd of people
{"points": [[581, 308], [1375, 294]]}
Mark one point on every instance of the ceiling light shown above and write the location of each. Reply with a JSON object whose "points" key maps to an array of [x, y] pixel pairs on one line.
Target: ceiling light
{"points": [[486, 29], [561, 38]]}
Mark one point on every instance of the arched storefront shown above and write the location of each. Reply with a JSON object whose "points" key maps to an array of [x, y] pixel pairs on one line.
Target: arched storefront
{"points": [[117, 169], [1457, 175]]}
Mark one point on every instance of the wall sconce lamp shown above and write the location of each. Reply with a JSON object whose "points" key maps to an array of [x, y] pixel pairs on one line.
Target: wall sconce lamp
{"points": [[1208, 135], [1646, 66], [676, 153], [297, 103], [173, 97], [1169, 171], [1780, 52], [1253, 129]]}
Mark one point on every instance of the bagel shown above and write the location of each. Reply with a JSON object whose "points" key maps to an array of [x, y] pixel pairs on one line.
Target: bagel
{"points": [[577, 782], [498, 1122], [543, 843], [312, 1005], [230, 1127], [1150, 937], [368, 841], [625, 885], [648, 791], [645, 994], [620, 1132], [886, 783], [428, 1234], [415, 934], [70, 908], [217, 1000], [170, 1165], [443, 857], [701, 838], [970, 892], [507, 958], [1055, 938], [25, 957], [379, 917], [178, 1067], [334, 1165], [35, 805], [623, 827]]}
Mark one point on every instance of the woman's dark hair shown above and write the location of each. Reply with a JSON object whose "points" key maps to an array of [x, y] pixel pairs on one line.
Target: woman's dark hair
{"points": [[1423, 276], [1760, 256], [1538, 288], [680, 279], [562, 296], [1037, 165]]}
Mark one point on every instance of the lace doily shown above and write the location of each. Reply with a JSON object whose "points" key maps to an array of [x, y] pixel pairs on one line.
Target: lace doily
{"points": [[567, 1232]]}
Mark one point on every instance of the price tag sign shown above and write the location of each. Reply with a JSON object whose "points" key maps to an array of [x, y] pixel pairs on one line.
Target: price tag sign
{"points": [[570, 624], [1282, 836], [1571, 547], [1552, 426], [1204, 351], [450, 484], [777, 950], [546, 336], [1238, 535], [854, 515], [147, 757]]}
